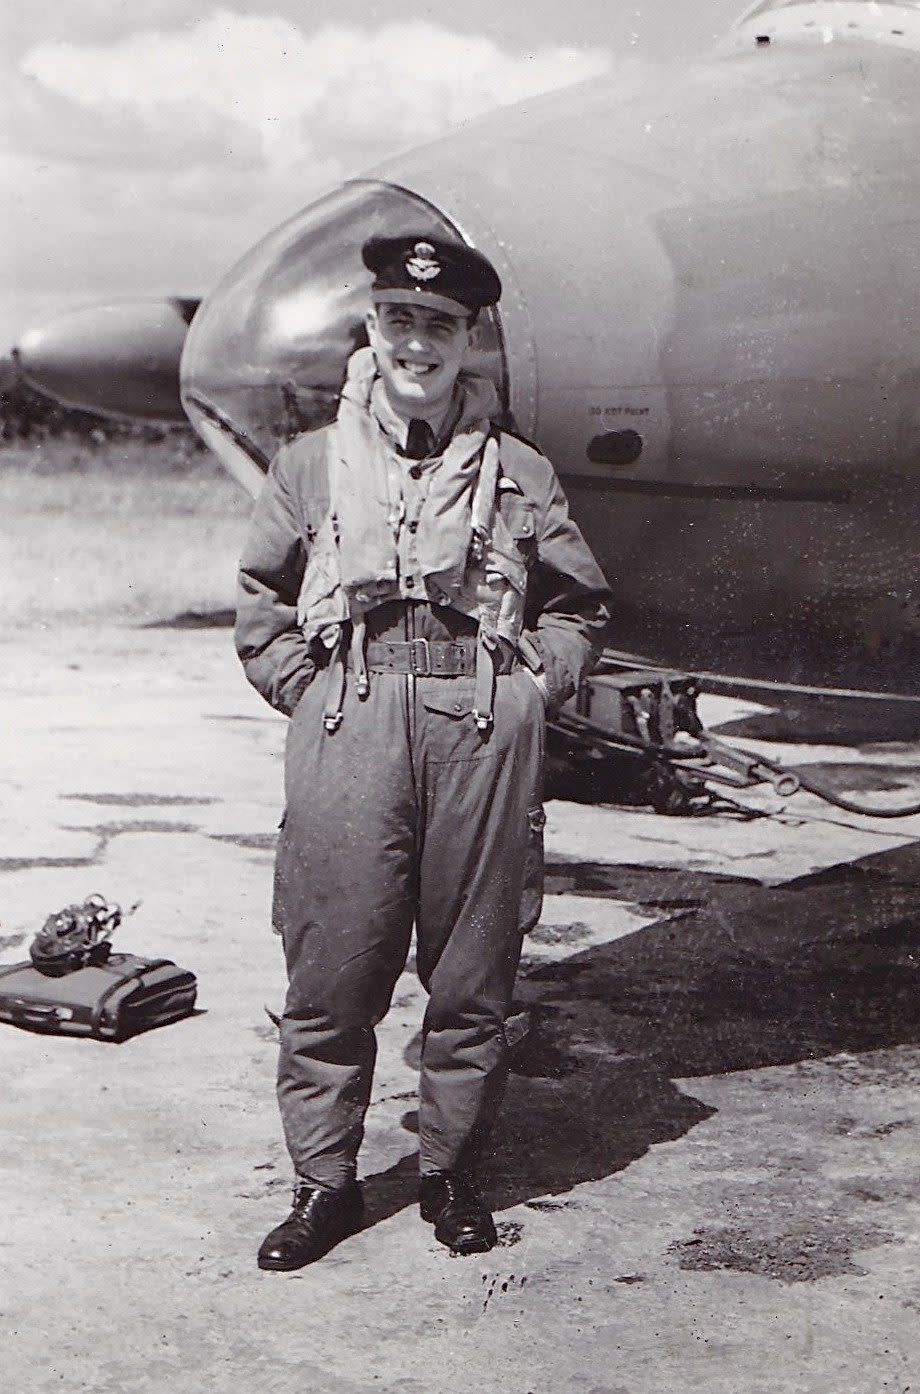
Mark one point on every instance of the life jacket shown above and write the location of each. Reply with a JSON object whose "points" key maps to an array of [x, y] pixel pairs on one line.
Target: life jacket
{"points": [[491, 591]]}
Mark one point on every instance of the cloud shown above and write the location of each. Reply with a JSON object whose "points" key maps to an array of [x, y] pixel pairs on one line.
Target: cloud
{"points": [[302, 93], [39, 122], [148, 161], [84, 232]]}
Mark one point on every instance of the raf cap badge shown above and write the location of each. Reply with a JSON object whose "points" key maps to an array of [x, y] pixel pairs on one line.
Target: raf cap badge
{"points": [[423, 264], [420, 268]]}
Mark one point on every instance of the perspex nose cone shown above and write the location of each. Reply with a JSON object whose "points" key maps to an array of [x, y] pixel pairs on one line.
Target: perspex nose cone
{"points": [[266, 356]]}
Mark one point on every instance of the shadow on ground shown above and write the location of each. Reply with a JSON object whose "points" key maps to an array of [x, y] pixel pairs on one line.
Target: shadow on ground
{"points": [[734, 975], [737, 975], [195, 619], [818, 720]]}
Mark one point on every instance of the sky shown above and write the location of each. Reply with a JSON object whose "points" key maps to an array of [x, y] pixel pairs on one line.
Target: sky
{"points": [[146, 144]]}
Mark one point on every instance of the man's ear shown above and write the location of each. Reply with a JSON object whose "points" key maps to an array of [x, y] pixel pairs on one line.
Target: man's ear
{"points": [[370, 321]]}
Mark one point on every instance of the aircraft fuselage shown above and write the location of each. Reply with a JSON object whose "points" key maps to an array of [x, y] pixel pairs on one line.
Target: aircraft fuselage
{"points": [[709, 323]]}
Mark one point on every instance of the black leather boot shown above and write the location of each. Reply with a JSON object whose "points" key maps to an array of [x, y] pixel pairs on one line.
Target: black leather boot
{"points": [[317, 1222], [461, 1218]]}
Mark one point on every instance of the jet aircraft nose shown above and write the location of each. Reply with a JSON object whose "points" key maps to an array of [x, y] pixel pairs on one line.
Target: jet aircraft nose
{"points": [[120, 359], [266, 355]]}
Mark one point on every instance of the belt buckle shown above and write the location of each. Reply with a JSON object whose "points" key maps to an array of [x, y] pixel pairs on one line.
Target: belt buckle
{"points": [[420, 656], [447, 660]]}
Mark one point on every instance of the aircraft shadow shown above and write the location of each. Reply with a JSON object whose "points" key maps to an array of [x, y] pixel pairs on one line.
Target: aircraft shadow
{"points": [[734, 975], [748, 975], [822, 722]]}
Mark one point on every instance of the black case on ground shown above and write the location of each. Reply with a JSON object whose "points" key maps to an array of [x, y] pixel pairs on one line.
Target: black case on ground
{"points": [[111, 1000]]}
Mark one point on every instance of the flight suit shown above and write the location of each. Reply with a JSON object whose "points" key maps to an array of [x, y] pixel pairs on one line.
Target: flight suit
{"points": [[408, 814]]}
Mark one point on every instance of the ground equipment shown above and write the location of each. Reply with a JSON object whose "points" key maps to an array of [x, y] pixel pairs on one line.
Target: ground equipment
{"points": [[649, 716]]}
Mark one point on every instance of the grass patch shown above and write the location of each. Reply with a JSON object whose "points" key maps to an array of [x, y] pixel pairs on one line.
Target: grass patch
{"points": [[126, 531]]}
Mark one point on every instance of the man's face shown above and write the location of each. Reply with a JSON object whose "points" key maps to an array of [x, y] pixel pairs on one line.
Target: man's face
{"points": [[419, 352]]}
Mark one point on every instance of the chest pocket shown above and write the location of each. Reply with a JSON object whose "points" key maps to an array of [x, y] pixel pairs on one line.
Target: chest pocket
{"points": [[518, 515]]}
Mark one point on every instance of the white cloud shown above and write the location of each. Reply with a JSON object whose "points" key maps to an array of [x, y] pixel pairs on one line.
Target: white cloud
{"points": [[147, 163], [298, 92]]}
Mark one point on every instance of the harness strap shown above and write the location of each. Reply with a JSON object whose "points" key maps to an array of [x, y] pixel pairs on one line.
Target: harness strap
{"points": [[484, 500], [484, 686], [357, 655], [335, 687]]}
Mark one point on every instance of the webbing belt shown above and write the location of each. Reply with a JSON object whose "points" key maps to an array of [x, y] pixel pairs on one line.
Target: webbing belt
{"points": [[432, 658], [483, 657]]}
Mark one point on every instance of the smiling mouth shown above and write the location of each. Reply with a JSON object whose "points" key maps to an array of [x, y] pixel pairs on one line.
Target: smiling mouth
{"points": [[416, 370]]}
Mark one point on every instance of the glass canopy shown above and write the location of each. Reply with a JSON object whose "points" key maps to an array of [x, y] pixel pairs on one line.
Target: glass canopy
{"points": [[266, 353]]}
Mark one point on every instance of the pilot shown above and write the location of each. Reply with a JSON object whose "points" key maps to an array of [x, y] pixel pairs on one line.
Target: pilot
{"points": [[415, 596]]}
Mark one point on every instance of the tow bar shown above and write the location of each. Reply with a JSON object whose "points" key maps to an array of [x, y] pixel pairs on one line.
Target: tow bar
{"points": [[651, 714]]}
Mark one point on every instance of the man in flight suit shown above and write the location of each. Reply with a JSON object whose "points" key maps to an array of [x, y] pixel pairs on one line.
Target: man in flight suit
{"points": [[415, 596]]}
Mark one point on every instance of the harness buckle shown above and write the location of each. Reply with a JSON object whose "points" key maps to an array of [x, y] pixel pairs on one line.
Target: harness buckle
{"points": [[420, 657]]}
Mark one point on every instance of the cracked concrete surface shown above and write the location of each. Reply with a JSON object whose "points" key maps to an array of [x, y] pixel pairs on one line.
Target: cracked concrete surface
{"points": [[706, 1173]]}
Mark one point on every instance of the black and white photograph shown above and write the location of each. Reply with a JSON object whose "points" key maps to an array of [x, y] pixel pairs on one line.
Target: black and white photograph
{"points": [[460, 697]]}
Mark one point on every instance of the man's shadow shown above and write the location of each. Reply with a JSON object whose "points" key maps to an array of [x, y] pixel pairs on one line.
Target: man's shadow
{"points": [[733, 975]]}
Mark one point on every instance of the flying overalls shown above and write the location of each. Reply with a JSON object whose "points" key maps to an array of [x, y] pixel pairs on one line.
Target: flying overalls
{"points": [[413, 775]]}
